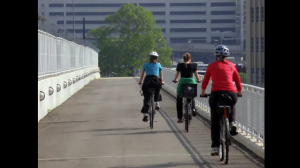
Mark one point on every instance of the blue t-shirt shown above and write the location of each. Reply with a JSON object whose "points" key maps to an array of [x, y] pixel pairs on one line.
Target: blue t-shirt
{"points": [[152, 68]]}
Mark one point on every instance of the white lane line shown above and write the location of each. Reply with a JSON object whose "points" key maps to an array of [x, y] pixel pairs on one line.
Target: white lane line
{"points": [[128, 156]]}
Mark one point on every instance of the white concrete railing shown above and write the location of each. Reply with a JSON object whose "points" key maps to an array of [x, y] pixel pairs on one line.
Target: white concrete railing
{"points": [[250, 110], [64, 68]]}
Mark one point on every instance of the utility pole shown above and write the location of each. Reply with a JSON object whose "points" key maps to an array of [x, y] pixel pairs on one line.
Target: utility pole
{"points": [[83, 23], [73, 23]]}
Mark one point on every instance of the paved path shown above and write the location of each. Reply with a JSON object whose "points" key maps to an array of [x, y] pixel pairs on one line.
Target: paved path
{"points": [[101, 127]]}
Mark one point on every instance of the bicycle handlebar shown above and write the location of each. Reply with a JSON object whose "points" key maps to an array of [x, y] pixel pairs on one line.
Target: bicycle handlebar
{"points": [[206, 95]]}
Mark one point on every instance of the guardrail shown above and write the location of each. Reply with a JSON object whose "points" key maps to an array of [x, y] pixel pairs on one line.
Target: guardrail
{"points": [[250, 108], [56, 55]]}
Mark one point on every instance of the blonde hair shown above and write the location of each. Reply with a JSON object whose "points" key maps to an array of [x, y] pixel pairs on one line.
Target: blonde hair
{"points": [[187, 57]]}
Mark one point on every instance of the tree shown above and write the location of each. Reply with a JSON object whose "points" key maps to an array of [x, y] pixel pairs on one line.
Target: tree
{"points": [[130, 36], [243, 77]]}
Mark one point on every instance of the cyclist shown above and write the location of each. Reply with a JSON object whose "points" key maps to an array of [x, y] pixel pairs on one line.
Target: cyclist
{"points": [[186, 71], [222, 73], [153, 79]]}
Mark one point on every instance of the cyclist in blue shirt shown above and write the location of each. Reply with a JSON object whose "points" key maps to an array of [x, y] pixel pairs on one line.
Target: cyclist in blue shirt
{"points": [[153, 79]]}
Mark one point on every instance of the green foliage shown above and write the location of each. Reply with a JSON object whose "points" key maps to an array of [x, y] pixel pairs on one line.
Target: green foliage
{"points": [[243, 77], [125, 43]]}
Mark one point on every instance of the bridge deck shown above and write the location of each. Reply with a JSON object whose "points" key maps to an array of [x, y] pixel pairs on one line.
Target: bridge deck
{"points": [[101, 127]]}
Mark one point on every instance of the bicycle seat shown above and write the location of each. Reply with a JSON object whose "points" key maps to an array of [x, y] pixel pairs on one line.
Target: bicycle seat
{"points": [[225, 100]]}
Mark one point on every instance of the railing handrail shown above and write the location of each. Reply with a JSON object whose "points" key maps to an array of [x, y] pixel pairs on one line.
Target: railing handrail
{"points": [[57, 55], [243, 84], [59, 38]]}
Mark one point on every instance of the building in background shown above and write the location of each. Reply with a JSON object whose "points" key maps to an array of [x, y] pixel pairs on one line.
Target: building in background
{"points": [[193, 26], [240, 24], [255, 50]]}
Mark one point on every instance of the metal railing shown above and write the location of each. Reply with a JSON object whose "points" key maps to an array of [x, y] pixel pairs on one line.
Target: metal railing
{"points": [[48, 27], [56, 54], [249, 108]]}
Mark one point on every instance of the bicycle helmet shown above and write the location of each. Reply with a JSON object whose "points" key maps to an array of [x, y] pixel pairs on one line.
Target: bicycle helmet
{"points": [[222, 50], [153, 53]]}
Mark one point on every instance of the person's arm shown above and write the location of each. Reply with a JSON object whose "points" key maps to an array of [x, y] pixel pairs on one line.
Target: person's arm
{"points": [[196, 73], [176, 75], [197, 76], [161, 75], [205, 80], [142, 74], [177, 72], [142, 77], [237, 80]]}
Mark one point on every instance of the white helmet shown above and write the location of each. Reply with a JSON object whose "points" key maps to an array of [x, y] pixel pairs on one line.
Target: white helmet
{"points": [[153, 53], [222, 50]]}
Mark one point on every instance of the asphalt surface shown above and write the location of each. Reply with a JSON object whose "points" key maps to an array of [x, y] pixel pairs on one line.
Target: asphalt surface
{"points": [[101, 126]]}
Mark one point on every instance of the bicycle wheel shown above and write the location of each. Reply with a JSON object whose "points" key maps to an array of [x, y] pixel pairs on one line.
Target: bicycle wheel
{"points": [[152, 111], [190, 112], [222, 146], [187, 118], [226, 132]]}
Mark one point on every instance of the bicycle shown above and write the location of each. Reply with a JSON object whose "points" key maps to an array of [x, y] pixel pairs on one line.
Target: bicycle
{"points": [[188, 91], [151, 111], [225, 138]]}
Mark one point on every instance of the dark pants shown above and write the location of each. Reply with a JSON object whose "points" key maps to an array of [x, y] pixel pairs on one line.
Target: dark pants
{"points": [[179, 106], [215, 117], [151, 81]]}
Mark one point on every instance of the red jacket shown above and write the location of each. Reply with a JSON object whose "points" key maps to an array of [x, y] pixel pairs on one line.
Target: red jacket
{"points": [[222, 77]]}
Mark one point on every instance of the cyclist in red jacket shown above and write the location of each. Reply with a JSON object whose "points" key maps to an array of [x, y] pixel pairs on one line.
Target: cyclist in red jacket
{"points": [[222, 74]]}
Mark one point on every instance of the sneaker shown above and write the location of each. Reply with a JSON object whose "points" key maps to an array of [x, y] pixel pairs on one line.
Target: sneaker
{"points": [[180, 121], [194, 112], [233, 131], [215, 151], [145, 119], [157, 107]]}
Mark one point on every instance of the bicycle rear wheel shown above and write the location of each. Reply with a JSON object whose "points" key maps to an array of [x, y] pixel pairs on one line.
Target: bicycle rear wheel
{"points": [[226, 132], [190, 112], [222, 139], [152, 111], [187, 118]]}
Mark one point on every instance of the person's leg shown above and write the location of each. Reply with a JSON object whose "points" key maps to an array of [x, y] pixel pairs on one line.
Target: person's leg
{"points": [[232, 115], [194, 110], [179, 108], [145, 108], [215, 122], [156, 96]]}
